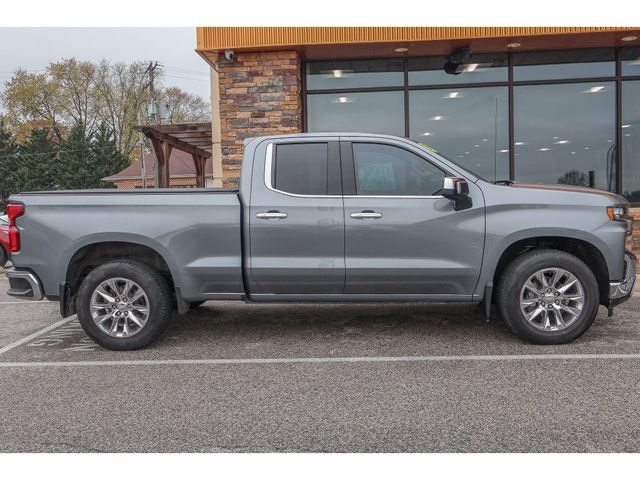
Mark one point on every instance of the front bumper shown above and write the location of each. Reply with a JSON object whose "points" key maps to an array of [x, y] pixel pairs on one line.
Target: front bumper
{"points": [[621, 291], [24, 284]]}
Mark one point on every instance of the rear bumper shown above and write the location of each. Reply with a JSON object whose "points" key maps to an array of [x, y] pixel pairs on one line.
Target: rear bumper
{"points": [[621, 291], [24, 284]]}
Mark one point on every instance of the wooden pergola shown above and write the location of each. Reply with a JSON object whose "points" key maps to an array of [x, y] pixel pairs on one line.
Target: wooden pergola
{"points": [[193, 138]]}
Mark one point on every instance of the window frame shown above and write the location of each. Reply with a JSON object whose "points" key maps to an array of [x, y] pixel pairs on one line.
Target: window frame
{"points": [[618, 78], [349, 176], [333, 160]]}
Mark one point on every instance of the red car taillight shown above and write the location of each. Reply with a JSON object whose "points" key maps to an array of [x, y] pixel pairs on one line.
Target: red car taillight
{"points": [[14, 210]]}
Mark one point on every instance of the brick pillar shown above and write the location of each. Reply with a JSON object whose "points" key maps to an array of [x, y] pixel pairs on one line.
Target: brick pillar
{"points": [[260, 94]]}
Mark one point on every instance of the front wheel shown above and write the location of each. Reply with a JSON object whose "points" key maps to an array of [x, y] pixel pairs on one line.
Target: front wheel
{"points": [[124, 305], [548, 297]]}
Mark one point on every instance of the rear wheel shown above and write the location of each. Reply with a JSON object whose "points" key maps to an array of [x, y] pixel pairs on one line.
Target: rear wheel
{"points": [[124, 305], [3, 256], [548, 297]]}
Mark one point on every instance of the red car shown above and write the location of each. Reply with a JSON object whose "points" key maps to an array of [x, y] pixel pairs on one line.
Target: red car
{"points": [[4, 240]]}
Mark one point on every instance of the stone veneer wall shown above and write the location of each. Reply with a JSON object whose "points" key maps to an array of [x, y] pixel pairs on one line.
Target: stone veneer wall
{"points": [[260, 94]]}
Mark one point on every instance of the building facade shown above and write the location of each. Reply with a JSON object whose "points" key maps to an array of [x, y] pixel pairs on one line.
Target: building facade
{"points": [[541, 105]]}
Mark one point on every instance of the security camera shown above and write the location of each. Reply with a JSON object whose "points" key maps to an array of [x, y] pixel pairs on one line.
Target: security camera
{"points": [[455, 61], [229, 55]]}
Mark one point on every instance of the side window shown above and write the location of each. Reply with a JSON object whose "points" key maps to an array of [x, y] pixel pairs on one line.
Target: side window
{"points": [[388, 170], [301, 168]]}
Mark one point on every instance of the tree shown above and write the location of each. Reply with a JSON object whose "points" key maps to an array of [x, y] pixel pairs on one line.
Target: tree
{"points": [[38, 162], [71, 92], [77, 166], [107, 158], [184, 107], [574, 177], [8, 163]]}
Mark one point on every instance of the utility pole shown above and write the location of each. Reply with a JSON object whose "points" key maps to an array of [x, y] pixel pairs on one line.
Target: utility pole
{"points": [[141, 141], [153, 116]]}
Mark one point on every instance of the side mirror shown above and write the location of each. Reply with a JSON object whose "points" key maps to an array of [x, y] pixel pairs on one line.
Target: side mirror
{"points": [[457, 189]]}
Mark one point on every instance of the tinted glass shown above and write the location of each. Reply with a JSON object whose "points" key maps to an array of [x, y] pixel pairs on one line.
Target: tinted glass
{"points": [[631, 140], [388, 170], [355, 74], [468, 125], [301, 168], [479, 68], [3, 222], [631, 61], [593, 62], [565, 134], [379, 112]]}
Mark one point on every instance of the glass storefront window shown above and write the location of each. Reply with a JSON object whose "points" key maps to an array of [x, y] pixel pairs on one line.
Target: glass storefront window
{"points": [[345, 74], [376, 112], [631, 61], [479, 68], [468, 125], [584, 63], [631, 140], [565, 134]]}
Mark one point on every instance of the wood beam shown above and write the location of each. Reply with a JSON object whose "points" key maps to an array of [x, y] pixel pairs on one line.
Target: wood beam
{"points": [[199, 162]]}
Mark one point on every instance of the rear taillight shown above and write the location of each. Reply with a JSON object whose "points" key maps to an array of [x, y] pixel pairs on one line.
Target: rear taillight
{"points": [[14, 210]]}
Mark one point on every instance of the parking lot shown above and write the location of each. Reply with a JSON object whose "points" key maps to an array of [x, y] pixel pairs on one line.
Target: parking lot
{"points": [[318, 378]]}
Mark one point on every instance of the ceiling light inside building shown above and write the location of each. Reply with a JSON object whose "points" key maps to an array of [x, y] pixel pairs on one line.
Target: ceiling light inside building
{"points": [[343, 100], [401, 50], [544, 149], [597, 89], [426, 134], [452, 95], [437, 117], [630, 38], [503, 151], [626, 125], [514, 45], [562, 142], [519, 143]]}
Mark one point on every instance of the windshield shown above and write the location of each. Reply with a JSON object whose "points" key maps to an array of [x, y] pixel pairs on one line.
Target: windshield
{"points": [[433, 151]]}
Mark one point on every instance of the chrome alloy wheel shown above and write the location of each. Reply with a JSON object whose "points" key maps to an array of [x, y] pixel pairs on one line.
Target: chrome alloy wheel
{"points": [[552, 299], [119, 307]]}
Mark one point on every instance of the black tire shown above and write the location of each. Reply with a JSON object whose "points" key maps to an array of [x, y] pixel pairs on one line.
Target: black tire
{"points": [[518, 272], [194, 305], [4, 258], [154, 285]]}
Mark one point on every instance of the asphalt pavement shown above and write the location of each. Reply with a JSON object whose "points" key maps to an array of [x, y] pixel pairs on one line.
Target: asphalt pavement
{"points": [[234, 377]]}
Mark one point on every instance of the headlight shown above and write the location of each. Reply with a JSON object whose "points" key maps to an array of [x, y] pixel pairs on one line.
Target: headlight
{"points": [[621, 214]]}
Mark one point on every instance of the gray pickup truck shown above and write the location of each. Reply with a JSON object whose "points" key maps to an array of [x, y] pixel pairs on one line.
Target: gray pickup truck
{"points": [[326, 218]]}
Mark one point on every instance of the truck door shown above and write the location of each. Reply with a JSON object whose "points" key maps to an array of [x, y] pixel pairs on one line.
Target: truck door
{"points": [[296, 218], [401, 237]]}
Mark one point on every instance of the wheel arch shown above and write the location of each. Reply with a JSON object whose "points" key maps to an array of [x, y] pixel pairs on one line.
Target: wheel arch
{"points": [[90, 255], [586, 251]]}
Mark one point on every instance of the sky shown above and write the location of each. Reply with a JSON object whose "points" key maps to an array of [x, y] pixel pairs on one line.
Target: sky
{"points": [[174, 47]]}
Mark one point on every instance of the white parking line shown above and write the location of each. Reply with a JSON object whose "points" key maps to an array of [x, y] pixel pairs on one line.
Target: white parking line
{"points": [[36, 334], [316, 360]]}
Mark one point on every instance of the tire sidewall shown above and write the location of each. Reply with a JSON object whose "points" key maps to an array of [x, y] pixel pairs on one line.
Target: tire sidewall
{"points": [[516, 319], [159, 305], [4, 256]]}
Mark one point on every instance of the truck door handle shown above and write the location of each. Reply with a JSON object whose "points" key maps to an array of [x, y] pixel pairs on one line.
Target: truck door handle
{"points": [[272, 215], [366, 214]]}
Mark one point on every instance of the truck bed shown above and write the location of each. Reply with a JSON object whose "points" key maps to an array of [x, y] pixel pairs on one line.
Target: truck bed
{"points": [[197, 232]]}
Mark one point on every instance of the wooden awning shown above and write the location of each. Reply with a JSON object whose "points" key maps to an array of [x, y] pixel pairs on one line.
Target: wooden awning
{"points": [[193, 138]]}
